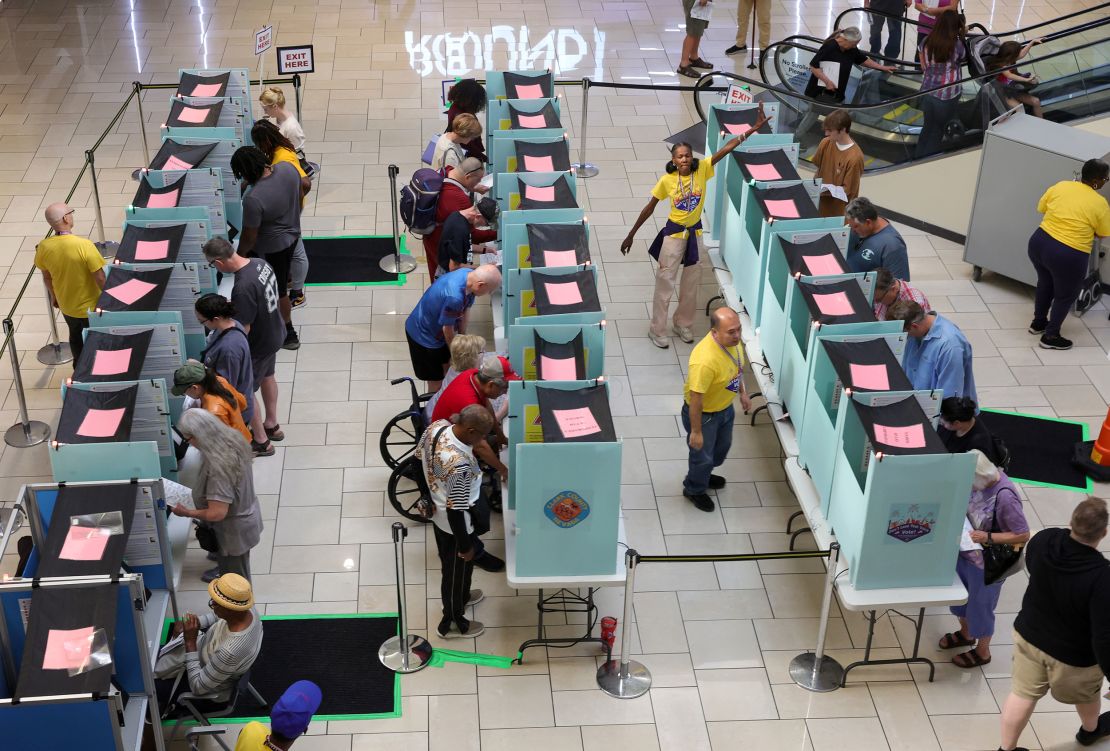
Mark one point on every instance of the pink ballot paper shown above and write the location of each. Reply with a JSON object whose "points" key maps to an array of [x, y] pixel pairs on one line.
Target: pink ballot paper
{"points": [[836, 304], [163, 200], [782, 209], [558, 370], [84, 544], [111, 361], [540, 192], [529, 91], [206, 89], [560, 258], [193, 114], [100, 423], [538, 164], [737, 129], [576, 422], [908, 437], [825, 265], [67, 650], [763, 172], [175, 163], [870, 377], [563, 293], [532, 121], [130, 291], [151, 250]]}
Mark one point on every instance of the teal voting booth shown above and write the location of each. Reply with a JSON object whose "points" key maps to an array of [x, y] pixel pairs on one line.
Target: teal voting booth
{"points": [[548, 243], [221, 144], [176, 291], [578, 346], [519, 84], [529, 153], [557, 295], [898, 499], [536, 191], [171, 189], [228, 83], [523, 116], [566, 522], [162, 241]]}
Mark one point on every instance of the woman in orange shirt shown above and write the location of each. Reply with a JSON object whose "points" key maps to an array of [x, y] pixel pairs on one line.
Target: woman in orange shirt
{"points": [[214, 393]]}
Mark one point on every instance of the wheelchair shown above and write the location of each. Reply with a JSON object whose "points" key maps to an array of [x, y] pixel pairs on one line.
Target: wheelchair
{"points": [[400, 434]]}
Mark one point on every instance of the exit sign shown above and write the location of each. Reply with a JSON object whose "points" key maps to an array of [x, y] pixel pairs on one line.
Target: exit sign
{"points": [[294, 59]]}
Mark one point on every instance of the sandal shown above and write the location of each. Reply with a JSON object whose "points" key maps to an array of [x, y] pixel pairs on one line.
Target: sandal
{"points": [[955, 640], [274, 433], [697, 62], [970, 659], [686, 70], [262, 449]]}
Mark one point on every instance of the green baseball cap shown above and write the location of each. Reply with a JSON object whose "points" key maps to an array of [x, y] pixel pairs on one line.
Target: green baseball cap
{"points": [[187, 375]]}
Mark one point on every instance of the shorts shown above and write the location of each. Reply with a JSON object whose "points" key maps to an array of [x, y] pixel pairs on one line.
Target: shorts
{"points": [[1036, 673], [427, 364], [282, 261], [695, 27], [263, 368]]}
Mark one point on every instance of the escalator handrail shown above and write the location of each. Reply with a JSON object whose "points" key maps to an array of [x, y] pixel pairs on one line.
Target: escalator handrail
{"points": [[707, 79], [1022, 31]]}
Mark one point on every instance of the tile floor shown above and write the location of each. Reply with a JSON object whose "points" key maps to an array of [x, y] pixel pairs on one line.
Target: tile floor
{"points": [[717, 638]]}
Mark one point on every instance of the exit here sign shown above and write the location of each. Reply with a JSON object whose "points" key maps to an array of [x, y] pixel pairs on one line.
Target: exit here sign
{"points": [[294, 59]]}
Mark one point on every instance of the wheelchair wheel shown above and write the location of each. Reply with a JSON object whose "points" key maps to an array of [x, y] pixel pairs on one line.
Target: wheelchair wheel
{"points": [[399, 438], [406, 494]]}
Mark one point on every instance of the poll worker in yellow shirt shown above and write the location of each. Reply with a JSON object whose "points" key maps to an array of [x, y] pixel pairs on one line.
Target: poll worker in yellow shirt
{"points": [[678, 244], [715, 377], [288, 720], [73, 271], [1060, 248]]}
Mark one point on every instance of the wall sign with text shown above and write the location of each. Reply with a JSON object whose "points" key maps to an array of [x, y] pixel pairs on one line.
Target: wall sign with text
{"points": [[294, 60]]}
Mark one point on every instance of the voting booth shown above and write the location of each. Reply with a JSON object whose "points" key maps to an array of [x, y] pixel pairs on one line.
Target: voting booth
{"points": [[536, 191], [532, 153], [143, 293], [898, 499], [519, 84], [558, 352], [173, 189], [220, 83], [555, 295], [545, 245], [181, 149], [523, 115], [168, 242]]}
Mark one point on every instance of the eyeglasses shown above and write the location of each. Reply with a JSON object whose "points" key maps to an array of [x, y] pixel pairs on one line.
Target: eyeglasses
{"points": [[211, 604], [71, 211]]}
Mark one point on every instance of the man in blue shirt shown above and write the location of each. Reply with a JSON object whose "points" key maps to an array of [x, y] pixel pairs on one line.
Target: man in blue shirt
{"points": [[938, 355], [442, 313], [874, 243]]}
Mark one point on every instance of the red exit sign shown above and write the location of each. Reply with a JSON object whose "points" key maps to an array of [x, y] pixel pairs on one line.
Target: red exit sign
{"points": [[294, 59]]}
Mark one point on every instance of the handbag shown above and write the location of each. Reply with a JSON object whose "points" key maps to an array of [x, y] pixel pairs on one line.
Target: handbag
{"points": [[1000, 561], [206, 538]]}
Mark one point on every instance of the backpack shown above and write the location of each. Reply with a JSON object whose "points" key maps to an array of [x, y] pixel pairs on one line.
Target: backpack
{"points": [[419, 200]]}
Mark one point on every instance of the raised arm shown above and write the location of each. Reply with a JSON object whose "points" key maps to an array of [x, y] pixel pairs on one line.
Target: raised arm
{"points": [[760, 121]]}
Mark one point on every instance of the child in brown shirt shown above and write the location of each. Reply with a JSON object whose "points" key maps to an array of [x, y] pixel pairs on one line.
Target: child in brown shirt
{"points": [[839, 162]]}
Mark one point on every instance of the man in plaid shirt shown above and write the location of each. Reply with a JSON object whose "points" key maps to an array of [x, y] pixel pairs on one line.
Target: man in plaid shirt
{"points": [[889, 290]]}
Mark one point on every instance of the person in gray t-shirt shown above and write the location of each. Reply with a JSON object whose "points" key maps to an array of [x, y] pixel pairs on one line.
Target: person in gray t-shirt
{"points": [[271, 220], [874, 243]]}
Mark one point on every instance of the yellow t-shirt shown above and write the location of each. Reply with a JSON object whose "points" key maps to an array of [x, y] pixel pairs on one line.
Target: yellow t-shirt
{"points": [[685, 194], [714, 374], [71, 262], [282, 154], [1074, 213], [252, 737]]}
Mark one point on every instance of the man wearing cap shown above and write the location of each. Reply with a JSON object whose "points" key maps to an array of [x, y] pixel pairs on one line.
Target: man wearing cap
{"points": [[440, 314], [73, 271], [289, 720], [218, 647], [479, 386], [456, 243], [456, 194]]}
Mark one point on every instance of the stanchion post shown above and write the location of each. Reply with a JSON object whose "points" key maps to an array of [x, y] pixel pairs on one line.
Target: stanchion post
{"points": [[90, 157], [297, 93], [582, 168], [55, 352], [625, 679], [138, 87], [398, 263], [404, 653], [754, 22], [26, 432], [816, 671]]}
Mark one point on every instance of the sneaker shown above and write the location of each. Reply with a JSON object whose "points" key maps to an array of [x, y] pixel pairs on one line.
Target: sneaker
{"points": [[1037, 328], [212, 557], [210, 575], [659, 341], [474, 628], [489, 562], [1016, 748], [292, 341], [1055, 342], [736, 49], [684, 333], [297, 298], [716, 482], [1085, 738], [701, 501], [476, 596], [262, 449]]}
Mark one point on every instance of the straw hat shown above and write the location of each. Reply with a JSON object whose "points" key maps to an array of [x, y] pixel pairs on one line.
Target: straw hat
{"points": [[232, 592]]}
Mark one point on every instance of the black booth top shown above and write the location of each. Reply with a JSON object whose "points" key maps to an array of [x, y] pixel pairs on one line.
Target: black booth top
{"points": [[134, 289], [566, 293], [838, 302], [112, 357], [557, 244], [899, 428], [180, 156], [576, 416], [97, 416], [765, 166], [818, 257], [739, 122], [538, 85], [150, 244], [791, 202], [166, 197], [183, 115], [560, 361], [542, 156], [557, 195], [545, 117], [191, 84], [867, 365]]}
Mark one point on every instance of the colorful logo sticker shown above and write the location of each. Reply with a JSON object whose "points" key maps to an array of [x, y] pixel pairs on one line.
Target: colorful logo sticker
{"points": [[567, 509], [912, 523]]}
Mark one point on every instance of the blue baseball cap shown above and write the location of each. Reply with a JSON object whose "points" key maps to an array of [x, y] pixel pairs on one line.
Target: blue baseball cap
{"points": [[293, 711]]}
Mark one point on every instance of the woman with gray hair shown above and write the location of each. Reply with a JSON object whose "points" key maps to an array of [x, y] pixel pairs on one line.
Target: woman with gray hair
{"points": [[829, 71], [223, 496]]}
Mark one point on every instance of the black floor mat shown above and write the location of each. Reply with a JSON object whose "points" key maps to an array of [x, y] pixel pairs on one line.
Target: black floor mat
{"points": [[1040, 448], [348, 261]]}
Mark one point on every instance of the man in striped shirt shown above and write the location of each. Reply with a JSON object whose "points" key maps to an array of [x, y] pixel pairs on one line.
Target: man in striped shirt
{"points": [[454, 481], [889, 290]]}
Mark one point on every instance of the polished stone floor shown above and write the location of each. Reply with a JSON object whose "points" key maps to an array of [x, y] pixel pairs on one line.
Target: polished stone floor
{"points": [[717, 638]]}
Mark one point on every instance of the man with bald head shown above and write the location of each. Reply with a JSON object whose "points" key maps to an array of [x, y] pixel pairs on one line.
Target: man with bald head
{"points": [[715, 377], [457, 194], [73, 271]]}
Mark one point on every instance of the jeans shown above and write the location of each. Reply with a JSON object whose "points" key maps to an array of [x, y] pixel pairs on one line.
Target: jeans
{"points": [[298, 267], [1061, 270], [982, 599], [937, 113], [894, 28], [76, 340], [716, 431]]}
